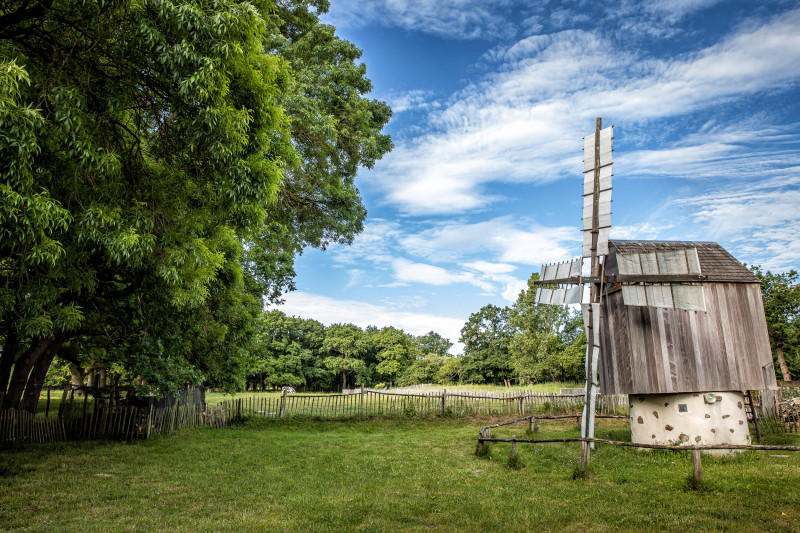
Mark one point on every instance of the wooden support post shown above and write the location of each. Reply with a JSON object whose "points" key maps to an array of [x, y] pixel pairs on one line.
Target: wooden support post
{"points": [[585, 452], [283, 404], [532, 424], [444, 401], [362, 399], [697, 468], [481, 445]]}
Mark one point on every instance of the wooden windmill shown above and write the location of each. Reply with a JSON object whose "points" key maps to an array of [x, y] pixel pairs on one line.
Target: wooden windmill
{"points": [[676, 325]]}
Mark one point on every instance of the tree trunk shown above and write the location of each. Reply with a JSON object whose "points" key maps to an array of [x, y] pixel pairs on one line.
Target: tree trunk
{"points": [[782, 363], [76, 375], [344, 380], [10, 347], [36, 380], [22, 367]]}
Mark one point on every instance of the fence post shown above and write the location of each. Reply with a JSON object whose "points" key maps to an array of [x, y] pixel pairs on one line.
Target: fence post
{"points": [[283, 404], [481, 444], [444, 401], [697, 468], [584, 455], [362, 399], [532, 424]]}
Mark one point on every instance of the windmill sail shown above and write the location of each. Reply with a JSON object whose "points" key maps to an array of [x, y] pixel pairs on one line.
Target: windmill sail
{"points": [[671, 295], [604, 199], [558, 272]]}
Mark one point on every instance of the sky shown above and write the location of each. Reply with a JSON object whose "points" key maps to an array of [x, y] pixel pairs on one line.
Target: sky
{"points": [[491, 102]]}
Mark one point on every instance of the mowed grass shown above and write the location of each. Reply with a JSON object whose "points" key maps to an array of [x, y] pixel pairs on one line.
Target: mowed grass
{"points": [[386, 475]]}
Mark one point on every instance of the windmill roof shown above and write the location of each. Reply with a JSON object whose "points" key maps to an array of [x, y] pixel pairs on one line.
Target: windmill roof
{"points": [[715, 261]]}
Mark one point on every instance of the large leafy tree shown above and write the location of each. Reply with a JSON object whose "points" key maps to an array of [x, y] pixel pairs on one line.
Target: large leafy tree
{"points": [[394, 350], [149, 153], [335, 129], [345, 348], [548, 341], [486, 337], [781, 295], [286, 351], [434, 343]]}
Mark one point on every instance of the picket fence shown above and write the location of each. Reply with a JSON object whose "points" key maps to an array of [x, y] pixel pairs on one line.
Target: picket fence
{"points": [[102, 422], [119, 422]]}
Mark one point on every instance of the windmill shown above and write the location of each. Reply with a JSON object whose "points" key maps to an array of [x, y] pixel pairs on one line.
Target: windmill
{"points": [[649, 328]]}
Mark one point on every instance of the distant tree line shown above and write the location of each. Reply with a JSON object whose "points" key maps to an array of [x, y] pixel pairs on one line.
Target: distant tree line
{"points": [[523, 343]]}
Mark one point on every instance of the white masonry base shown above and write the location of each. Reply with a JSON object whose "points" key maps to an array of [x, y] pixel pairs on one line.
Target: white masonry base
{"points": [[689, 419]]}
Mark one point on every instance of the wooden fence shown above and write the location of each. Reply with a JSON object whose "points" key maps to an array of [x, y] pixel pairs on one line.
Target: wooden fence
{"points": [[98, 420], [102, 422], [368, 402]]}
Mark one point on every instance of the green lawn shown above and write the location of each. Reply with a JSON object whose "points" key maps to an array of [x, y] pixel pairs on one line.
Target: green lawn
{"points": [[386, 475]]}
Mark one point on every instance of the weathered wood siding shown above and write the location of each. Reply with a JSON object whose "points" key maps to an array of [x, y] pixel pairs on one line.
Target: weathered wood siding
{"points": [[648, 350]]}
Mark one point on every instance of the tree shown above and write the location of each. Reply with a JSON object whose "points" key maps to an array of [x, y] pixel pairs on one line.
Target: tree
{"points": [[781, 297], [156, 182], [335, 129], [548, 341], [345, 347], [486, 337], [286, 351], [434, 343], [394, 350]]}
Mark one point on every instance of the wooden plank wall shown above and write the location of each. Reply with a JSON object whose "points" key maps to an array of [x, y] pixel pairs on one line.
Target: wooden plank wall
{"points": [[659, 351]]}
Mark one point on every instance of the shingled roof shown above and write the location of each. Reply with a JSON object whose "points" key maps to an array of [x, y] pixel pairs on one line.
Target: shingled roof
{"points": [[715, 261]]}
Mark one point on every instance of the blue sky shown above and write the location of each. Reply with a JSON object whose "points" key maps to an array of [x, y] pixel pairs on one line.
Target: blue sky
{"points": [[491, 101]]}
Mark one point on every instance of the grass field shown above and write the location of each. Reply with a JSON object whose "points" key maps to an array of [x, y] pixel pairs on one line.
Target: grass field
{"points": [[386, 475]]}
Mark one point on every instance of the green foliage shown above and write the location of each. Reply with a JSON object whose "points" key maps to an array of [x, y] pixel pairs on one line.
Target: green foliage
{"points": [[531, 342], [781, 296], [162, 164], [486, 337], [434, 343], [549, 343]]}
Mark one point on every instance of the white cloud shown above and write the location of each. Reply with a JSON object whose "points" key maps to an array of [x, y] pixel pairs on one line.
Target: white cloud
{"points": [[644, 231], [507, 239], [363, 314], [524, 124], [462, 19], [410, 100]]}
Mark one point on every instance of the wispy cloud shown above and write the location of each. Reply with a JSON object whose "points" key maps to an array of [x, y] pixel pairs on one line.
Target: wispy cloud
{"points": [[524, 123], [506, 239], [460, 19]]}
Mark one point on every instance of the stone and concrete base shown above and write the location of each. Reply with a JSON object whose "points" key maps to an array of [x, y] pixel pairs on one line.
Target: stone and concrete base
{"points": [[689, 419]]}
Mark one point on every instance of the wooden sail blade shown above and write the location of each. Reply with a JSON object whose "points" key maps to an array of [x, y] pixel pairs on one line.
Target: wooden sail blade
{"points": [[597, 192], [605, 180], [659, 264], [602, 242], [561, 273], [559, 296]]}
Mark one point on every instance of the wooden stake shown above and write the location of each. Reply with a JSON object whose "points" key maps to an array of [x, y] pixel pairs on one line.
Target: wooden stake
{"points": [[697, 469], [283, 404], [585, 452]]}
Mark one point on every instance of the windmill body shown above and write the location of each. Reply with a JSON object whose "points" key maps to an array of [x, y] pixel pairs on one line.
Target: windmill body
{"points": [[678, 326], [684, 368]]}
